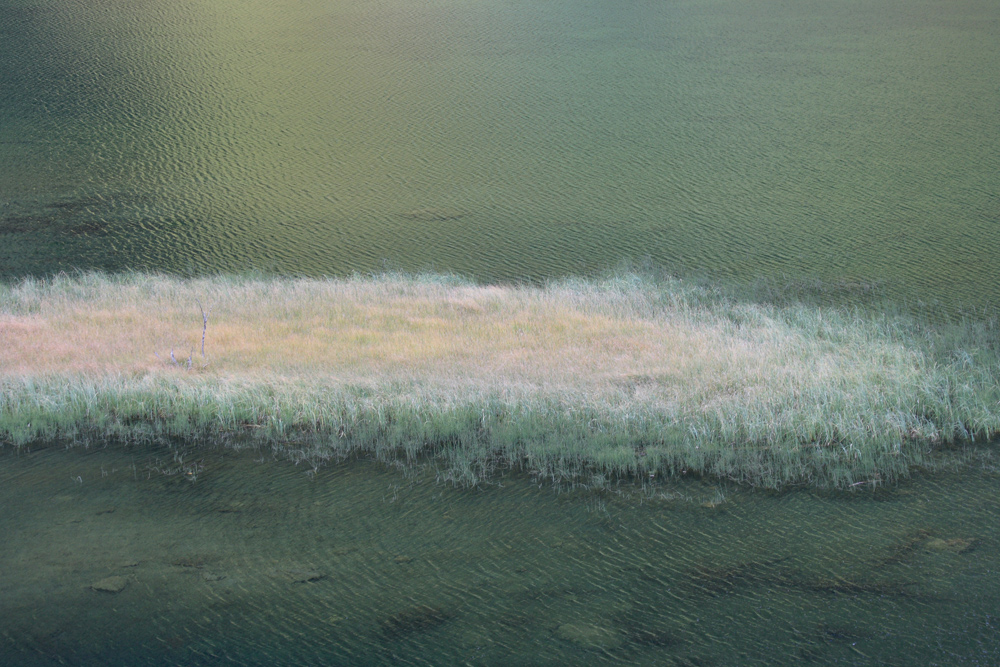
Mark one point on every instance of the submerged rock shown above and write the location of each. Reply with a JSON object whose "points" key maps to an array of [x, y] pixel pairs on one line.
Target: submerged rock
{"points": [[303, 576], [955, 545], [196, 562], [110, 585], [589, 635], [414, 619]]}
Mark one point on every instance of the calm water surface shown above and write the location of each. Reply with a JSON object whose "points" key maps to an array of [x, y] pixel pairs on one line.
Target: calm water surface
{"points": [[849, 140], [241, 558]]}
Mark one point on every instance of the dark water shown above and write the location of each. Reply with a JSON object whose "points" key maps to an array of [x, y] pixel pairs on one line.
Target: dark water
{"points": [[852, 140], [241, 558]]}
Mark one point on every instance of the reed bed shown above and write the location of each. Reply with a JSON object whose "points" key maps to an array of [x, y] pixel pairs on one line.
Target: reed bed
{"points": [[630, 375]]}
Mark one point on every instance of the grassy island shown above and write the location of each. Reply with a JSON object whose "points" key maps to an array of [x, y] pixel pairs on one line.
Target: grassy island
{"points": [[629, 375]]}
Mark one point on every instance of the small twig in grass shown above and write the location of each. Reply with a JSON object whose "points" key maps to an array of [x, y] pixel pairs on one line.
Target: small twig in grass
{"points": [[204, 326]]}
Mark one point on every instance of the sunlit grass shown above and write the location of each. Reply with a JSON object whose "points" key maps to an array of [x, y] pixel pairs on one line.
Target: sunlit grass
{"points": [[628, 375]]}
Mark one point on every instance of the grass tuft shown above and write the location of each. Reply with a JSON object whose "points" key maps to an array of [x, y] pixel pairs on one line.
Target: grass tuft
{"points": [[630, 375]]}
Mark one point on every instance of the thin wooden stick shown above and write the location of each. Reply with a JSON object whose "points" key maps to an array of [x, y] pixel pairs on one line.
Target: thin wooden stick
{"points": [[204, 326]]}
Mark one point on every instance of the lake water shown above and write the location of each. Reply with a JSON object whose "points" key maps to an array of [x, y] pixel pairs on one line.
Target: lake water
{"points": [[853, 140], [846, 141], [227, 557]]}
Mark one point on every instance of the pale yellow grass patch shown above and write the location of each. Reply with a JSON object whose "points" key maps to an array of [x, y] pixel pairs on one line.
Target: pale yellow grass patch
{"points": [[591, 339], [340, 329]]}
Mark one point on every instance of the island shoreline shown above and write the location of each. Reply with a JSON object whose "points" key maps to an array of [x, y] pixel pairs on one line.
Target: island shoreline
{"points": [[627, 376]]}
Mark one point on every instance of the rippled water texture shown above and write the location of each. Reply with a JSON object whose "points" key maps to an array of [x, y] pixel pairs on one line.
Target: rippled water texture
{"points": [[851, 140], [237, 558]]}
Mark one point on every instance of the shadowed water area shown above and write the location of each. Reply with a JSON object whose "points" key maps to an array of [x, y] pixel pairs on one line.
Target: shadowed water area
{"points": [[846, 141], [210, 556]]}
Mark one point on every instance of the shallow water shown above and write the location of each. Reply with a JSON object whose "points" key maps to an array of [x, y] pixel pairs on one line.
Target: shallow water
{"points": [[239, 557], [848, 141]]}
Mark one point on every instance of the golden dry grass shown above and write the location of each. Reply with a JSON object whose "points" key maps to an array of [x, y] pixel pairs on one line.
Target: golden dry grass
{"points": [[563, 337]]}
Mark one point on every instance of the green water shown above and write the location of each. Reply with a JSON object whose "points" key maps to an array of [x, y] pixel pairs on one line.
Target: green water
{"points": [[853, 140], [243, 558], [848, 141]]}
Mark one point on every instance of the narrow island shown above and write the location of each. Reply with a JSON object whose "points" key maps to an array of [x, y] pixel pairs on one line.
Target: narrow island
{"points": [[626, 376]]}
